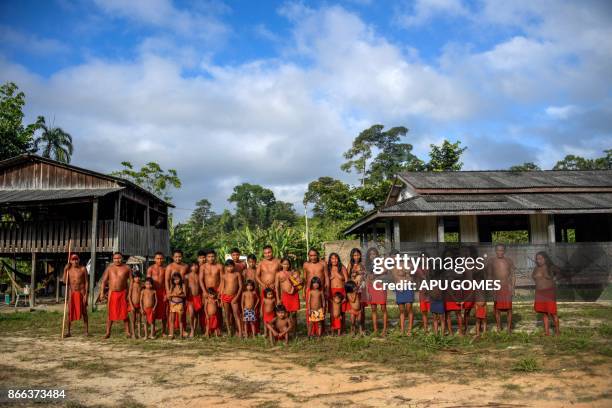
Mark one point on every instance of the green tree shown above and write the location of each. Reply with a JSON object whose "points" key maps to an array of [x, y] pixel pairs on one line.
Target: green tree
{"points": [[446, 157], [377, 156], [151, 177], [203, 214], [256, 206], [332, 200], [54, 142], [572, 162], [16, 138], [527, 166]]}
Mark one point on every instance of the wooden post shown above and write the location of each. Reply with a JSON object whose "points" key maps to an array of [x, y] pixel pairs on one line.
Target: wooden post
{"points": [[551, 229], [92, 269], [388, 235], [33, 281], [13, 292], [57, 282], [440, 229], [396, 234]]}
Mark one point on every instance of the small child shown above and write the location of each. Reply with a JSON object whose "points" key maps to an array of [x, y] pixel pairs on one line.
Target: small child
{"points": [[437, 310], [336, 313], [230, 292], [134, 299], [280, 326], [315, 303], [288, 285], [268, 306], [211, 309], [249, 303], [176, 299], [481, 313], [148, 303], [354, 301]]}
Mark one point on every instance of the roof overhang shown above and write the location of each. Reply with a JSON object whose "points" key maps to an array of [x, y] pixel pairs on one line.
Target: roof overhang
{"points": [[39, 196]]}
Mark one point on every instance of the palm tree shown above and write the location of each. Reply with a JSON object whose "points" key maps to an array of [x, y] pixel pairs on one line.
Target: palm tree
{"points": [[54, 142]]}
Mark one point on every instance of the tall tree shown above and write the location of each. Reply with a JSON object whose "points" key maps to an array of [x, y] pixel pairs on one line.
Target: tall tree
{"points": [[572, 162], [202, 214], [54, 142], [151, 177], [446, 157], [16, 138], [332, 200], [256, 206], [377, 156], [527, 166]]}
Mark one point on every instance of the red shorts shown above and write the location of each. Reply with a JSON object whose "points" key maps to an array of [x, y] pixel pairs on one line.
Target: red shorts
{"points": [[291, 302], [333, 291], [452, 306], [336, 323], [75, 307], [149, 313], [545, 301], [213, 322], [503, 300], [481, 312], [424, 304], [117, 306], [268, 316], [160, 309], [196, 302]]}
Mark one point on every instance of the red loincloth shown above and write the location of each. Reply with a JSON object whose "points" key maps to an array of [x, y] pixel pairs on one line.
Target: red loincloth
{"points": [[452, 306], [76, 304], [117, 306], [481, 312], [545, 301], [161, 307], [227, 298], [268, 316], [377, 296], [291, 302], [336, 323], [333, 291], [136, 307], [149, 313], [212, 323], [503, 300], [424, 304], [196, 302], [468, 305]]}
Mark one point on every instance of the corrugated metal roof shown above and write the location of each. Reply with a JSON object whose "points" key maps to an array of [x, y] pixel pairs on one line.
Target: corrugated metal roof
{"points": [[508, 179], [25, 196], [501, 202]]}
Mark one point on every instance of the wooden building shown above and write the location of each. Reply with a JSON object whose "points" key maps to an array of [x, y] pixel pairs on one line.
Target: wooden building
{"points": [[552, 206], [568, 214], [45, 206]]}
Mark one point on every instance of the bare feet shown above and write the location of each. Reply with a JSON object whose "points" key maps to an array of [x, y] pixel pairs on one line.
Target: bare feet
{"points": [[67, 335], [106, 336]]}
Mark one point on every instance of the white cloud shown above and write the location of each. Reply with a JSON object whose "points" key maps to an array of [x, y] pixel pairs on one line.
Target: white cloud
{"points": [[424, 11], [30, 43], [561, 112], [202, 24]]}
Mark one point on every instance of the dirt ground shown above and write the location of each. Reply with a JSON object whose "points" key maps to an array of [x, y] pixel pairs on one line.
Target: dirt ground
{"points": [[93, 375]]}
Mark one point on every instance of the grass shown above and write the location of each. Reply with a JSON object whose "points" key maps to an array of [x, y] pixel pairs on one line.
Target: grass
{"points": [[500, 353]]}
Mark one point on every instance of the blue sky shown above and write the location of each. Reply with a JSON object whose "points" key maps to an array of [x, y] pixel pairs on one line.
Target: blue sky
{"points": [[274, 92]]}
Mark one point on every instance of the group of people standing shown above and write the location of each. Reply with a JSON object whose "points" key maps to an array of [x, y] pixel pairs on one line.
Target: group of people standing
{"points": [[253, 297]]}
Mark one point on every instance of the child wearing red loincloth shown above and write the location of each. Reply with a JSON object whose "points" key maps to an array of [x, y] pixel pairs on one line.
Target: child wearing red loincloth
{"points": [[148, 301]]}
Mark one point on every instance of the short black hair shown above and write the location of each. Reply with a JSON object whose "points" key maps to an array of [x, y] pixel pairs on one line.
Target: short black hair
{"points": [[315, 280], [211, 251], [135, 273], [252, 256], [267, 290], [177, 251], [212, 291], [159, 253], [234, 250], [249, 282], [202, 252], [150, 280], [280, 308], [267, 246], [315, 250], [339, 294], [117, 253], [229, 262], [350, 286], [286, 259]]}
